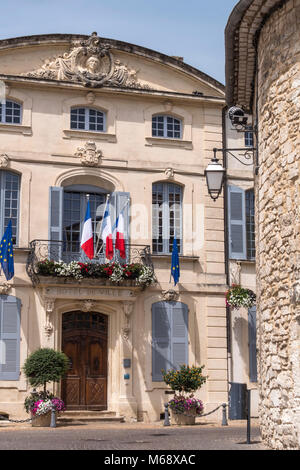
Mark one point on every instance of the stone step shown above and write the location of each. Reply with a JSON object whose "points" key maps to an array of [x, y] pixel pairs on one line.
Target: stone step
{"points": [[90, 416]]}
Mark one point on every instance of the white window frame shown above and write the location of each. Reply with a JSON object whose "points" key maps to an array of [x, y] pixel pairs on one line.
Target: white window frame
{"points": [[165, 126], [3, 113], [87, 119]]}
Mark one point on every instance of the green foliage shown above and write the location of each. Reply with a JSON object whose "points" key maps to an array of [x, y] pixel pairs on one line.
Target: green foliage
{"points": [[45, 365], [186, 379]]}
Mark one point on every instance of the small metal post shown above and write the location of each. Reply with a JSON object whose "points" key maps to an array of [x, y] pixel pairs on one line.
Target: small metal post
{"points": [[248, 416], [167, 421], [224, 417], [53, 416]]}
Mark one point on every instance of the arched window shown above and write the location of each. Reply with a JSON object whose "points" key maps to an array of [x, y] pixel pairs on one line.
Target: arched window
{"points": [[87, 119], [166, 126], [9, 202], [166, 217], [10, 112]]}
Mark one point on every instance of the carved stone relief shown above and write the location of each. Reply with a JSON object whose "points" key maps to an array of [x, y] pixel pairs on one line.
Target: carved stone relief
{"points": [[4, 288], [91, 63], [128, 309], [4, 160], [170, 295], [49, 307], [89, 155], [87, 305], [169, 173]]}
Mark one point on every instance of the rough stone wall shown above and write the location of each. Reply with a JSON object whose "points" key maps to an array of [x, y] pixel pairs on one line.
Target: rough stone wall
{"points": [[278, 222]]}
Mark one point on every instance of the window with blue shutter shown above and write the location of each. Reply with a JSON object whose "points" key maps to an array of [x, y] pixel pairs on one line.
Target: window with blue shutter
{"points": [[9, 202], [241, 223], [10, 309], [252, 344], [166, 217], [169, 337], [67, 213]]}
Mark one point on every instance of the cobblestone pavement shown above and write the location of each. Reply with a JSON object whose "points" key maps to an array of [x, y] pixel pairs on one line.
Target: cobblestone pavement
{"points": [[129, 436]]}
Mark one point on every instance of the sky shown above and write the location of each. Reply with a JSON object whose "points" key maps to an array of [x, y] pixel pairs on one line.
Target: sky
{"points": [[192, 29]]}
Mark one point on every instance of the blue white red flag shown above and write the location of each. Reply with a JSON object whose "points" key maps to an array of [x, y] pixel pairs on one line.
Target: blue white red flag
{"points": [[106, 233], [87, 239], [120, 238]]}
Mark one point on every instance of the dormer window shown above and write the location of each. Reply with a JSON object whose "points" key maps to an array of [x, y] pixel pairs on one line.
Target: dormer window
{"points": [[167, 127], [10, 112], [87, 119]]}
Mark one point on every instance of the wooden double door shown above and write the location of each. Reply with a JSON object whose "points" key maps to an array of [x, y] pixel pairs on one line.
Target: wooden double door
{"points": [[84, 341]]}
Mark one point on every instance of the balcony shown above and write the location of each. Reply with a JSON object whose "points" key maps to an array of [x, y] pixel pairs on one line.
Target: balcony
{"points": [[58, 251]]}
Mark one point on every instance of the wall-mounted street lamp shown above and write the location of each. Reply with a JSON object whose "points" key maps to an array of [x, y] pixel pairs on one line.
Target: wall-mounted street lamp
{"points": [[215, 173]]}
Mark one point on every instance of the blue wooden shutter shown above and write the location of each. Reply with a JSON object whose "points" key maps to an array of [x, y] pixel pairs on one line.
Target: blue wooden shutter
{"points": [[55, 221], [169, 337], [252, 344], [161, 340], [179, 323], [10, 308], [236, 223]]}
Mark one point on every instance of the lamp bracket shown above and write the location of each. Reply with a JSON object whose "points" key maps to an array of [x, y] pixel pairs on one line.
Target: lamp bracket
{"points": [[247, 153]]}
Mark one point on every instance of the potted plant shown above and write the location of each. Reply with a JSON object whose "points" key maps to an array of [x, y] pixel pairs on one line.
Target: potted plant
{"points": [[41, 367], [184, 382], [237, 297]]}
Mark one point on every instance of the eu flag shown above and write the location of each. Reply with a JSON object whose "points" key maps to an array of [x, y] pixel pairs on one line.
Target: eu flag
{"points": [[175, 270], [6, 253]]}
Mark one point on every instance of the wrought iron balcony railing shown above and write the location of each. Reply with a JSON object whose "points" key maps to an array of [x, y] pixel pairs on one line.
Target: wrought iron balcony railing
{"points": [[61, 251]]}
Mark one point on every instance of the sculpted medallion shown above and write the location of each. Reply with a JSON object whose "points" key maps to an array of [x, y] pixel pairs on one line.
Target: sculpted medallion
{"points": [[91, 63]]}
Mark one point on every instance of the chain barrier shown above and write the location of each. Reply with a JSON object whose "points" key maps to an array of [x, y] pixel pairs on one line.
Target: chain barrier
{"points": [[224, 418]]}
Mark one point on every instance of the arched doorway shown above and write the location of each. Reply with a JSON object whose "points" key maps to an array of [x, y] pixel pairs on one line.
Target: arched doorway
{"points": [[84, 341]]}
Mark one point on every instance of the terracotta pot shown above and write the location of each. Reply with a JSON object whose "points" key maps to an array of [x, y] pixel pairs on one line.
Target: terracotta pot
{"points": [[41, 421]]}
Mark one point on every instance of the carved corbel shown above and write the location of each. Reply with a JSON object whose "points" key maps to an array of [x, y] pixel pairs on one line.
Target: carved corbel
{"points": [[87, 305], [49, 307], [4, 288], [170, 295], [4, 160], [127, 309]]}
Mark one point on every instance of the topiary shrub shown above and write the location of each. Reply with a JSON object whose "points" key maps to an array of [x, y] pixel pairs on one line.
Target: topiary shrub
{"points": [[45, 365]]}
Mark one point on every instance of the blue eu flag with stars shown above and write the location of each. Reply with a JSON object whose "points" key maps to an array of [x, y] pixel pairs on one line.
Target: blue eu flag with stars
{"points": [[6, 253], [175, 270]]}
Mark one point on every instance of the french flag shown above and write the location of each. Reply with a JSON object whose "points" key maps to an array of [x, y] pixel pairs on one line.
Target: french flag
{"points": [[120, 240], [87, 241], [106, 234]]}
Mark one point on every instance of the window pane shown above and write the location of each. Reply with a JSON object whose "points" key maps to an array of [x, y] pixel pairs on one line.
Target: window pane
{"points": [[12, 112]]}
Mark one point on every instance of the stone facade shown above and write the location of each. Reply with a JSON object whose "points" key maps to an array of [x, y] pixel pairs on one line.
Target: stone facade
{"points": [[278, 226], [48, 76]]}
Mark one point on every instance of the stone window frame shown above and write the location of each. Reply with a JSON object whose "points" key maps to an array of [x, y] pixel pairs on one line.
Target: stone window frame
{"points": [[103, 105], [25, 126], [169, 109]]}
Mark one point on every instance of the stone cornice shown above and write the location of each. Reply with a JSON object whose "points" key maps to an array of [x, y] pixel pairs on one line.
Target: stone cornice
{"points": [[241, 36]]}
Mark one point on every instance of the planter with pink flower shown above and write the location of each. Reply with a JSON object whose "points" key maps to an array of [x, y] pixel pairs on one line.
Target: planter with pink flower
{"points": [[184, 406], [43, 366]]}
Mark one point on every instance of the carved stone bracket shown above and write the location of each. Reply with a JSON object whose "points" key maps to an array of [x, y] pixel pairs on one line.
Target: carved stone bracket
{"points": [[170, 295], [127, 309], [89, 155], [4, 288], [87, 305], [49, 307], [4, 160]]}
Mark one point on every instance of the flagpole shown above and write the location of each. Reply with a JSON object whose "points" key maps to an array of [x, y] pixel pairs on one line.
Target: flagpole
{"points": [[106, 202]]}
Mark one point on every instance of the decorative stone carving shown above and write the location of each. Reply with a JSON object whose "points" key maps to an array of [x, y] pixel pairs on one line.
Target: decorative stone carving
{"points": [[87, 305], [169, 173], [235, 272], [4, 288], [170, 295], [90, 97], [89, 155], [128, 309], [49, 307], [91, 63], [4, 160]]}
